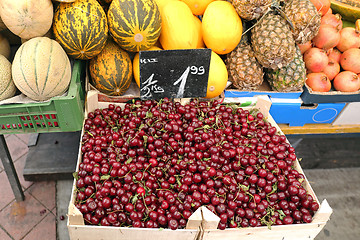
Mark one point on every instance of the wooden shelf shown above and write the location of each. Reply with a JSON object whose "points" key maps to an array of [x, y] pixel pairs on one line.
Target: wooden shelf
{"points": [[320, 129]]}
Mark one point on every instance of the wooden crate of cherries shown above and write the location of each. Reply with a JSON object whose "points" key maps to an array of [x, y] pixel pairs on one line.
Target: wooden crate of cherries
{"points": [[152, 164]]}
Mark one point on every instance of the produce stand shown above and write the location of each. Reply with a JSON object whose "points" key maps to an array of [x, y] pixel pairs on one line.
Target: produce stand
{"points": [[301, 114]]}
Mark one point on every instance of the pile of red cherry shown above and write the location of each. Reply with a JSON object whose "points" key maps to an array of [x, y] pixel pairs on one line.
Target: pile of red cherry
{"points": [[151, 164]]}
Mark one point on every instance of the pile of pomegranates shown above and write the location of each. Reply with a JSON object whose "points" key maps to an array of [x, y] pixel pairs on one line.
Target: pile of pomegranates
{"points": [[151, 164], [332, 58]]}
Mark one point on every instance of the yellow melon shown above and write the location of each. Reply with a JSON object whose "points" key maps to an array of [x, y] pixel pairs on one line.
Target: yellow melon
{"points": [[200, 41], [221, 27], [178, 28], [161, 4], [218, 76], [198, 6]]}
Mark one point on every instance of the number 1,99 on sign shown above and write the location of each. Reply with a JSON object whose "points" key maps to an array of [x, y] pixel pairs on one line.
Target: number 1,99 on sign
{"points": [[194, 70], [175, 73]]}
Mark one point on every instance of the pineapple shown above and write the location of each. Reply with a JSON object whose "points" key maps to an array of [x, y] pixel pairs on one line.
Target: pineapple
{"points": [[272, 41], [251, 9], [244, 70], [305, 19], [289, 78]]}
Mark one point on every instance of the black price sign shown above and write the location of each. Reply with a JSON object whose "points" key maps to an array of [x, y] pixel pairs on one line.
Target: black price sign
{"points": [[174, 73]]}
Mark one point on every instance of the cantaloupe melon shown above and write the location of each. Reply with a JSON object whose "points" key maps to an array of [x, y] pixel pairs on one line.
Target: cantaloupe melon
{"points": [[27, 19], [7, 86], [41, 69]]}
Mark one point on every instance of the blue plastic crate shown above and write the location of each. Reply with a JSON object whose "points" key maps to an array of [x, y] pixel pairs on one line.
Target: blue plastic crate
{"points": [[295, 113]]}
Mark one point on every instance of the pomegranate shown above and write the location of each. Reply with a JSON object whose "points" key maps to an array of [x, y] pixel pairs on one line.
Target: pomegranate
{"points": [[334, 54], [322, 6], [333, 20], [315, 59], [327, 37], [349, 38], [329, 11], [332, 69], [350, 60], [318, 82], [305, 46], [347, 81]]}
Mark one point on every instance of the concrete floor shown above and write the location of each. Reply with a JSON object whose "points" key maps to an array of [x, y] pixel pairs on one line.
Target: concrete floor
{"points": [[341, 188]]}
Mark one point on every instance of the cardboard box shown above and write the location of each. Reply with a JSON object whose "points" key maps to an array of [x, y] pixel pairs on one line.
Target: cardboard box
{"points": [[203, 224], [309, 96], [349, 115], [295, 113], [264, 89]]}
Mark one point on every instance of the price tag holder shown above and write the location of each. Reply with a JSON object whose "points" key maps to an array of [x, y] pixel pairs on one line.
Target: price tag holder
{"points": [[174, 73]]}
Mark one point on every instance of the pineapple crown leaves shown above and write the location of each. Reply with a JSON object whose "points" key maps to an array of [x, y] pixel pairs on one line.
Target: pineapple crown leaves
{"points": [[275, 7]]}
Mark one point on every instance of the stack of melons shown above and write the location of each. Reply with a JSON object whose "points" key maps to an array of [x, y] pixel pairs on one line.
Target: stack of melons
{"points": [[219, 30], [40, 68], [139, 25], [106, 31]]}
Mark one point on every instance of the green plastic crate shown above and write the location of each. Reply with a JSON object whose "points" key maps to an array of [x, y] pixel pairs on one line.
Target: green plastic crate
{"points": [[60, 114]]}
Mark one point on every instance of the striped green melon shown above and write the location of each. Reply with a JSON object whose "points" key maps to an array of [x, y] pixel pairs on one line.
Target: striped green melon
{"points": [[7, 86], [111, 70], [41, 69], [81, 28], [134, 24]]}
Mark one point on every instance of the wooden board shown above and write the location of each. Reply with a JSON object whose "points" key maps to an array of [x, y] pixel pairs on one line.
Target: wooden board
{"points": [[285, 232], [320, 129], [115, 233]]}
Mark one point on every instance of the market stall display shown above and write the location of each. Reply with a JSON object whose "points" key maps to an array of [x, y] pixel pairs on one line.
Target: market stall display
{"points": [[212, 166]]}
